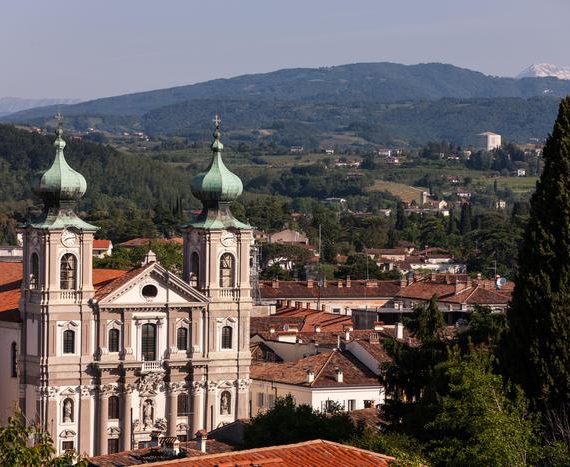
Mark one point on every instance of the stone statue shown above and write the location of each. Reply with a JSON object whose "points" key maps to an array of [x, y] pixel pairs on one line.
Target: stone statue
{"points": [[67, 411], [225, 403], [147, 414]]}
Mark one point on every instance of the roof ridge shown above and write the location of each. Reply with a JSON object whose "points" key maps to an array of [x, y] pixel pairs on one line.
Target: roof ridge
{"points": [[323, 367], [472, 292]]}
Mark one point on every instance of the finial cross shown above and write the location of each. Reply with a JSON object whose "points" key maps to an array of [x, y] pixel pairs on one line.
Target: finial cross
{"points": [[217, 120]]}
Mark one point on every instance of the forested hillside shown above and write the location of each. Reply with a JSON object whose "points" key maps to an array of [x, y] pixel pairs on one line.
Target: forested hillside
{"points": [[381, 102]]}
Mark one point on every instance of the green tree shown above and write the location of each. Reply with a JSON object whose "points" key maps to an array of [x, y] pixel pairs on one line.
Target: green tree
{"points": [[400, 217], [29, 446], [465, 221], [477, 422], [288, 423], [536, 350]]}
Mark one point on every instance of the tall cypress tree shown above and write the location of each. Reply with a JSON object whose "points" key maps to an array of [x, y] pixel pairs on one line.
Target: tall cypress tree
{"points": [[537, 347]]}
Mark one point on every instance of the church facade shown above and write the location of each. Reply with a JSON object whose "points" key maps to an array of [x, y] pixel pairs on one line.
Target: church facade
{"points": [[108, 360]]}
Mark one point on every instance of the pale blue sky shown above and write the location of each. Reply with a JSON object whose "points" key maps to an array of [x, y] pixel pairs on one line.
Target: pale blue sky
{"points": [[72, 48]]}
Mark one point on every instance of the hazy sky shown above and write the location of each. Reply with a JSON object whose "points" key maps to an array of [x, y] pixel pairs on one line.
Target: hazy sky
{"points": [[72, 48]]}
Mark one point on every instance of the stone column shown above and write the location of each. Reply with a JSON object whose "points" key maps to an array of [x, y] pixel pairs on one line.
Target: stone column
{"points": [[172, 407], [242, 399], [212, 405], [103, 413], [126, 421], [197, 407]]}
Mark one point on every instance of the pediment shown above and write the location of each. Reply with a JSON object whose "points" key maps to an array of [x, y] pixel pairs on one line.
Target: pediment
{"points": [[153, 286]]}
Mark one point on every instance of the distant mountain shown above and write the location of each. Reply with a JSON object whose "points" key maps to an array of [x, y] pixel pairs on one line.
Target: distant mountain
{"points": [[543, 70], [10, 105], [373, 82]]}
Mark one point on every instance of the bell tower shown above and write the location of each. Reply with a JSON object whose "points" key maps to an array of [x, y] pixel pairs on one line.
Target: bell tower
{"points": [[54, 307], [217, 262]]}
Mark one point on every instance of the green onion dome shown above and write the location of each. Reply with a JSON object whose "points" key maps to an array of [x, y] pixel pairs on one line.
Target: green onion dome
{"points": [[217, 184], [60, 184]]}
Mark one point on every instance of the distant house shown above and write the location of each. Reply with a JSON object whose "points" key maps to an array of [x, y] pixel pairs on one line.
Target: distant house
{"points": [[520, 172], [296, 149], [102, 248], [289, 236], [391, 160], [501, 204], [487, 141]]}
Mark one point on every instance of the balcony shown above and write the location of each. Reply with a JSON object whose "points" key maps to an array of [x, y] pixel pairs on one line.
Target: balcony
{"points": [[151, 367], [232, 294]]}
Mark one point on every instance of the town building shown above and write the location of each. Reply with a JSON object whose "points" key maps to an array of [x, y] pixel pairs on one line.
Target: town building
{"points": [[109, 360], [487, 141]]}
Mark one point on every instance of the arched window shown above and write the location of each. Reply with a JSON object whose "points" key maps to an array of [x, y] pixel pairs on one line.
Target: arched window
{"points": [[148, 344], [113, 410], [68, 341], [34, 271], [227, 337], [227, 270], [194, 270], [183, 408], [114, 335], [225, 403], [14, 359], [68, 272], [67, 410], [182, 338]]}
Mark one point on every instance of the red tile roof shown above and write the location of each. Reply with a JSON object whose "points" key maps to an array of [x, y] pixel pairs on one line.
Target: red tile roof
{"points": [[318, 453], [118, 281], [134, 242], [324, 367], [304, 318], [101, 244], [302, 289]]}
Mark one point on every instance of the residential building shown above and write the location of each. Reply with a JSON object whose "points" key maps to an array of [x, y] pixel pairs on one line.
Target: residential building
{"points": [[289, 236], [487, 141], [102, 248]]}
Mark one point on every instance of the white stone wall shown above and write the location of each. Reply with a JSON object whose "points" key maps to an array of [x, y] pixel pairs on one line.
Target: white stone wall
{"points": [[9, 333]]}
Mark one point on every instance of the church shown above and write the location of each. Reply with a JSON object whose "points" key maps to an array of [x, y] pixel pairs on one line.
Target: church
{"points": [[109, 360]]}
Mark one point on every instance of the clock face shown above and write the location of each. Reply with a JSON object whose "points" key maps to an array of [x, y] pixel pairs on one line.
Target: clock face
{"points": [[68, 238], [228, 238]]}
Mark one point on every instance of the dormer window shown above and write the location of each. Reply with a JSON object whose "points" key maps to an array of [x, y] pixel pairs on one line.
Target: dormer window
{"points": [[68, 272]]}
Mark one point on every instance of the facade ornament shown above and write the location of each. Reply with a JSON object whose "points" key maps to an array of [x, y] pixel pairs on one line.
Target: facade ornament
{"points": [[176, 386], [148, 414], [243, 384], [108, 390], [182, 427], [128, 388], [197, 387], [160, 424], [150, 384], [113, 431], [67, 411], [212, 386], [136, 425], [65, 434], [86, 391]]}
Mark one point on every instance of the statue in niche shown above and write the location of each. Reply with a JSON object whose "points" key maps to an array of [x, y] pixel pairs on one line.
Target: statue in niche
{"points": [[147, 413], [67, 411], [225, 401]]}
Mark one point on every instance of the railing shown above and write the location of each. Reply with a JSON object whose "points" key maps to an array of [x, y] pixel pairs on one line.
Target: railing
{"points": [[151, 366], [230, 293]]}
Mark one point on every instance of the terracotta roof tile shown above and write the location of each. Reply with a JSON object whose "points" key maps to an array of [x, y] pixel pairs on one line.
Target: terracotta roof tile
{"points": [[323, 365], [299, 289], [117, 281], [101, 244], [310, 453]]}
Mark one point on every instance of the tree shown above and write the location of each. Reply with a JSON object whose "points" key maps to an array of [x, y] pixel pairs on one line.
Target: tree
{"points": [[287, 423], [27, 445], [400, 217], [477, 423], [465, 221], [536, 350]]}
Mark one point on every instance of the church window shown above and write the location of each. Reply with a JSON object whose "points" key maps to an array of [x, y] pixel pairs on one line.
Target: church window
{"points": [[183, 406], [182, 338], [67, 410], [148, 344], [67, 446], [35, 271], [14, 360], [68, 341], [194, 270], [149, 291], [113, 410], [68, 272], [114, 340], [112, 445], [227, 337], [227, 270]]}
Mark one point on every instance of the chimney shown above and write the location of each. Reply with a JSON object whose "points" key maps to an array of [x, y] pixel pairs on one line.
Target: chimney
{"points": [[310, 376], [348, 281], [339, 375], [324, 283], [378, 325], [479, 276], [339, 284], [317, 328], [399, 330], [201, 437], [433, 277], [275, 284], [310, 283], [371, 283], [272, 330], [374, 338]]}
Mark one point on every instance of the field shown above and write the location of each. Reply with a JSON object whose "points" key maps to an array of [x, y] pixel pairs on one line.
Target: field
{"points": [[405, 192]]}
